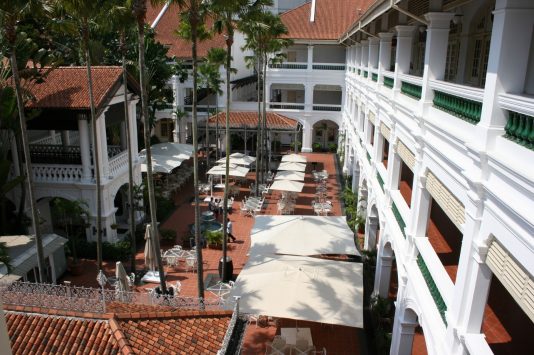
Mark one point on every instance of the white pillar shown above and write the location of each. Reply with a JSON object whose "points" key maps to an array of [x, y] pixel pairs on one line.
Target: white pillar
{"points": [[511, 39], [65, 139], [357, 56], [364, 62], [404, 52], [385, 53], [308, 97], [437, 38], [310, 57], [383, 274], [373, 53], [83, 130], [307, 129], [102, 146], [132, 113], [355, 174], [52, 134]]}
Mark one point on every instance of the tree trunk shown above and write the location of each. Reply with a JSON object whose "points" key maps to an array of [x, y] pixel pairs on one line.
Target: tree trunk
{"points": [[22, 201], [194, 29], [96, 160], [258, 132], [207, 137], [43, 274], [131, 209], [229, 43], [264, 127], [150, 181]]}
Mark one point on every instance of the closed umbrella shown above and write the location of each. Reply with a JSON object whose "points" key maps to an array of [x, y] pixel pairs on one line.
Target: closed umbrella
{"points": [[294, 158], [287, 185], [289, 175], [150, 258], [122, 286], [292, 166]]}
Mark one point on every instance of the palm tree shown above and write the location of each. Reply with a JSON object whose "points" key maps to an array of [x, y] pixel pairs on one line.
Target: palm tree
{"points": [[83, 12], [228, 13], [10, 13], [139, 11], [123, 21]]}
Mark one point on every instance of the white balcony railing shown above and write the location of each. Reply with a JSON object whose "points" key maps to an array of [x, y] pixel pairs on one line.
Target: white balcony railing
{"points": [[286, 106], [57, 173], [289, 65], [326, 107], [328, 66], [118, 163]]}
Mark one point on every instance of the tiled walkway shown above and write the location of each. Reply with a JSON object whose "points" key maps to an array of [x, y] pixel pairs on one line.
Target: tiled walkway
{"points": [[337, 340]]}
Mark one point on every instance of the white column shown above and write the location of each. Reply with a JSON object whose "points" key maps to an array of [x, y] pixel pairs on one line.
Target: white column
{"points": [[52, 134], [308, 97], [364, 62], [83, 130], [355, 173], [133, 128], [102, 146], [404, 52], [307, 129], [437, 38], [511, 39], [383, 274], [373, 53], [310, 57], [384, 62], [65, 139], [357, 56]]}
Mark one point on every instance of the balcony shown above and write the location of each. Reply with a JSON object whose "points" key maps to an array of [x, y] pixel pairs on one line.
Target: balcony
{"points": [[328, 66], [520, 125], [458, 100], [411, 86], [289, 65], [324, 107], [432, 287], [286, 105], [388, 82]]}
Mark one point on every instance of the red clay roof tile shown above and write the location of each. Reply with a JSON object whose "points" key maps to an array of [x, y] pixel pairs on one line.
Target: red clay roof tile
{"points": [[332, 18], [250, 120]]}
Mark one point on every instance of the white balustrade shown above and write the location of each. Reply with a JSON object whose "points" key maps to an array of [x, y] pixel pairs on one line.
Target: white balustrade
{"points": [[48, 139], [118, 163], [57, 173]]}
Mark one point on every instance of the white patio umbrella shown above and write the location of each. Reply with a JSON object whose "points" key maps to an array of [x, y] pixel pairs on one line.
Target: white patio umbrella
{"points": [[150, 258], [287, 185], [292, 166], [244, 160], [302, 235], [235, 170], [161, 164], [302, 288], [289, 175], [122, 286], [294, 158]]}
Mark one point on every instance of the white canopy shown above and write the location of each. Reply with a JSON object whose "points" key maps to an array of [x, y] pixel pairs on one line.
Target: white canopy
{"points": [[244, 160], [292, 166], [302, 288], [287, 185], [302, 235], [289, 175], [161, 164], [234, 170], [166, 156], [294, 158]]}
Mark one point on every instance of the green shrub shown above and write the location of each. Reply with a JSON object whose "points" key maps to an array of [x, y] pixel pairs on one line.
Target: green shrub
{"points": [[332, 147], [214, 237], [119, 251], [292, 146], [317, 147]]}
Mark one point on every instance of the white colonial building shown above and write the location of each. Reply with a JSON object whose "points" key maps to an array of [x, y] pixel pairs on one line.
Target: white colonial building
{"points": [[439, 137], [61, 146]]}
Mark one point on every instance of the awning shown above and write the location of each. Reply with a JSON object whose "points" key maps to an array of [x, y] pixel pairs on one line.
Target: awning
{"points": [[289, 175], [287, 185], [292, 166], [302, 235], [161, 164], [294, 158], [238, 171], [302, 288], [166, 156]]}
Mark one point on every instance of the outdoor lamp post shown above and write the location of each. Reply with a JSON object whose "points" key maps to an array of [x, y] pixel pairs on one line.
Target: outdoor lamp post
{"points": [[102, 280]]}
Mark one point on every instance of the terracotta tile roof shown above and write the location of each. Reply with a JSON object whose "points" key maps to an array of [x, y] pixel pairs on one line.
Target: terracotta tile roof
{"points": [[66, 88], [332, 18], [134, 331], [250, 120], [165, 33]]}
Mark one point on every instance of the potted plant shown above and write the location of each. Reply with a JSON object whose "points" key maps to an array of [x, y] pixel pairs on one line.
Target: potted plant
{"points": [[316, 147], [214, 239]]}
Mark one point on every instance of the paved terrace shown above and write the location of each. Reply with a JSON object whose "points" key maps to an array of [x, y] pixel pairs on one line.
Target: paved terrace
{"points": [[336, 339]]}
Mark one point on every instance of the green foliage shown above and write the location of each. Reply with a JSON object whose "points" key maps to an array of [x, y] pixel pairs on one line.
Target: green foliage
{"points": [[292, 145], [168, 234], [381, 315], [317, 147], [332, 147], [110, 251], [215, 237]]}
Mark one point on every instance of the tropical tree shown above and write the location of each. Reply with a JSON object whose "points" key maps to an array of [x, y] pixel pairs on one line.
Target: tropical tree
{"points": [[227, 14], [71, 214], [123, 21], [83, 12], [10, 13], [139, 11], [210, 78]]}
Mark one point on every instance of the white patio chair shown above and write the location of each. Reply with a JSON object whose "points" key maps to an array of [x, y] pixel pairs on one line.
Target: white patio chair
{"points": [[191, 264], [253, 318]]}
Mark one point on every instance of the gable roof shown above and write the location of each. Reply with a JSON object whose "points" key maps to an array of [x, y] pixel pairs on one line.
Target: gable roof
{"points": [[166, 28], [250, 120], [39, 330], [66, 88], [332, 19]]}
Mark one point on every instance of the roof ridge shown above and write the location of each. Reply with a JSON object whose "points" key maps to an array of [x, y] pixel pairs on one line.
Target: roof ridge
{"points": [[120, 337], [308, 2], [172, 314]]}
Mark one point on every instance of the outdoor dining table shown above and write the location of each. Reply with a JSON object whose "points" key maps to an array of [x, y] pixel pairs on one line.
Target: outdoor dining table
{"points": [[220, 289]]}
